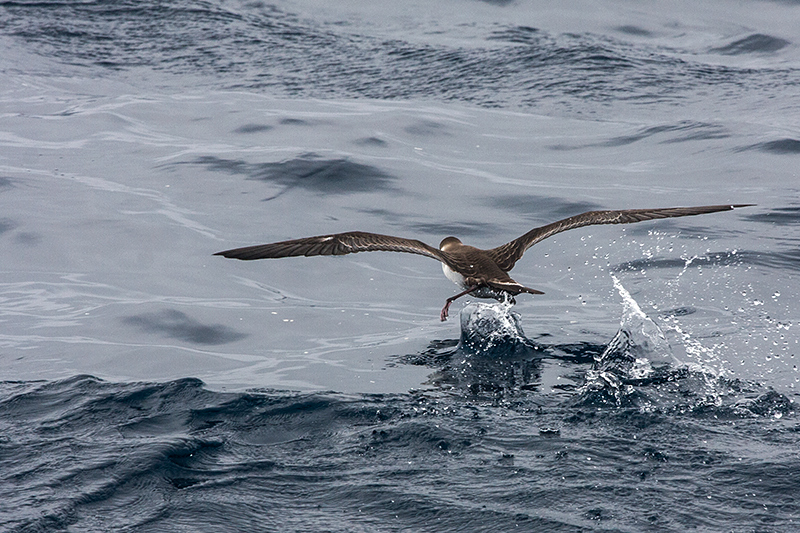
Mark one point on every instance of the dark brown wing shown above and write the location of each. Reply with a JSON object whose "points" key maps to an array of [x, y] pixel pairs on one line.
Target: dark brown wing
{"points": [[337, 244], [508, 254]]}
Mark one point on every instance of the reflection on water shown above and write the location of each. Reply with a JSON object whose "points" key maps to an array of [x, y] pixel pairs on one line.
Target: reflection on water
{"points": [[178, 325], [308, 171]]}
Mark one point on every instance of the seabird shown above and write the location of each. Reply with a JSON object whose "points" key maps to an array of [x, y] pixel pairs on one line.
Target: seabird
{"points": [[482, 273]]}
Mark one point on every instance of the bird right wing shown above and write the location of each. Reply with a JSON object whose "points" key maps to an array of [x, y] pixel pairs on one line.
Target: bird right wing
{"points": [[508, 254]]}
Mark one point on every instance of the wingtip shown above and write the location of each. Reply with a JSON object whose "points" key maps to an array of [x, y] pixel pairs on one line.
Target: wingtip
{"points": [[227, 254]]}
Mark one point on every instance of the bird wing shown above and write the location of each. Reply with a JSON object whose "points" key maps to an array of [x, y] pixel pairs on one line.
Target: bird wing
{"points": [[508, 254], [336, 244]]}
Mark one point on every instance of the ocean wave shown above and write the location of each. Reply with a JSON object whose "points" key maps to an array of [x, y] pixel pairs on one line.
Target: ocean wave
{"points": [[88, 454], [259, 47]]}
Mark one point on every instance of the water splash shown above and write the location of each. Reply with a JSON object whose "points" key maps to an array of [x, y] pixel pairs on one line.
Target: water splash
{"points": [[493, 358], [491, 328], [639, 345], [639, 369], [637, 351]]}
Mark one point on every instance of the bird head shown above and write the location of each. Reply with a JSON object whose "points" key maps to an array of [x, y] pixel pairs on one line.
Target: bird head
{"points": [[448, 242]]}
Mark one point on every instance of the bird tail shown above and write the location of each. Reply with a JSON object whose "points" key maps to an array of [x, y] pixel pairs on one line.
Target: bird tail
{"points": [[513, 287], [529, 290]]}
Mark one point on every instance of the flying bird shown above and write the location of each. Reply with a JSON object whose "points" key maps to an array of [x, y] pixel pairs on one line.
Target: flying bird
{"points": [[482, 273]]}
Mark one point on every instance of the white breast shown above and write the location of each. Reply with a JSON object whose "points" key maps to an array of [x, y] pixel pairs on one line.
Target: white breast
{"points": [[453, 276]]}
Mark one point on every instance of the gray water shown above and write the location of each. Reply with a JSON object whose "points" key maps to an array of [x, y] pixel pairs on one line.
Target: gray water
{"points": [[137, 139]]}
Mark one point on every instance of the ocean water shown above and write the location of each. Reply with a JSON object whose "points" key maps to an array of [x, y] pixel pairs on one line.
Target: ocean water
{"points": [[148, 385]]}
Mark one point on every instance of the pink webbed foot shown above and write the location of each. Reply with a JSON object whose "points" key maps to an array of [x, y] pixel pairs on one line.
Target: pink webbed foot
{"points": [[445, 310], [450, 300]]}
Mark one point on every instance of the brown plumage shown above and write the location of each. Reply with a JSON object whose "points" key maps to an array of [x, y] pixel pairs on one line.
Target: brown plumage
{"points": [[483, 273]]}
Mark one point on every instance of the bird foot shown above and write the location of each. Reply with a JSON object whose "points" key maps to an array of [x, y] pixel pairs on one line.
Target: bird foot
{"points": [[450, 300], [445, 310]]}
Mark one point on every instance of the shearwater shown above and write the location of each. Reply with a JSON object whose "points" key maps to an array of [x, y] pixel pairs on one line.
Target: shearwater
{"points": [[482, 273]]}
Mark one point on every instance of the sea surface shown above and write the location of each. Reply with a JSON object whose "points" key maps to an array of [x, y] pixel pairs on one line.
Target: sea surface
{"points": [[147, 385]]}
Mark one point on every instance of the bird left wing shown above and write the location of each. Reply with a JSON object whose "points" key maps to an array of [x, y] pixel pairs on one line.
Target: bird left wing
{"points": [[336, 244]]}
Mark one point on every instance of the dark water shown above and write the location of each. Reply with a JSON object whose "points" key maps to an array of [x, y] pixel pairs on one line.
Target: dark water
{"points": [[617, 447], [81, 454], [483, 53], [148, 386], [85, 455]]}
